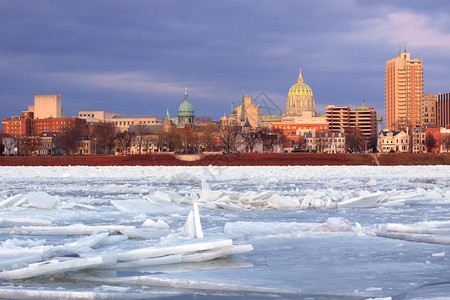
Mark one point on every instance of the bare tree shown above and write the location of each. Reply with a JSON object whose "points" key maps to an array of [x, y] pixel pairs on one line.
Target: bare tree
{"points": [[104, 134], [9, 144], [354, 140], [176, 139], [29, 144], [251, 138], [228, 136], [446, 142], [430, 141], [70, 139], [271, 138], [160, 139], [207, 136], [148, 142], [123, 141], [140, 131]]}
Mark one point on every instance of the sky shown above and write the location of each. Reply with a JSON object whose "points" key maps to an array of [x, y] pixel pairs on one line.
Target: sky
{"points": [[136, 57]]}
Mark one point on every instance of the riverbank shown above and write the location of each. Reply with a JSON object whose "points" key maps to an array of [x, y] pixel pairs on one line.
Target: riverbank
{"points": [[247, 159]]}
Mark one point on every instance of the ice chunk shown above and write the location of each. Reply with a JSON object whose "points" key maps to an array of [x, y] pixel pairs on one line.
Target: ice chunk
{"points": [[198, 224], [312, 201], [179, 249], [279, 202], [216, 253], [148, 223], [11, 222], [88, 241], [335, 225], [331, 204], [205, 185], [160, 224], [162, 197], [174, 197], [365, 201], [52, 267], [188, 229], [133, 205], [210, 195], [18, 261], [11, 200], [156, 261], [41, 200], [371, 182]]}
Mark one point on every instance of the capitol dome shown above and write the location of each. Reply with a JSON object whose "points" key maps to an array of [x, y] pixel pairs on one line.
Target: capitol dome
{"points": [[300, 99], [300, 88], [185, 112]]}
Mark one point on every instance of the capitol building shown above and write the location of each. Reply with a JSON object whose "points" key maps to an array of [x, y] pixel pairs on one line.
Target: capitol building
{"points": [[300, 116]]}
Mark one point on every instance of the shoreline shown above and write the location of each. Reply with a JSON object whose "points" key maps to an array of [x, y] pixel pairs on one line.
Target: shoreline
{"points": [[245, 159]]}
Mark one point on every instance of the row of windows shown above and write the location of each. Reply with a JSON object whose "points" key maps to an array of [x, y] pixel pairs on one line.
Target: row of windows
{"points": [[301, 127], [125, 123]]}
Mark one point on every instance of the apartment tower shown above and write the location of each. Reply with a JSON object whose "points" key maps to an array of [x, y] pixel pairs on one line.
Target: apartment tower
{"points": [[403, 92]]}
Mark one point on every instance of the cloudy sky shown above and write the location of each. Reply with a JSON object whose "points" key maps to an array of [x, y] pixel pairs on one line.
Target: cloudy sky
{"points": [[136, 57]]}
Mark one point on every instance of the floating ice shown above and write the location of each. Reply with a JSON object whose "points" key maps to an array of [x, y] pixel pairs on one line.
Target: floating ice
{"points": [[52, 267], [335, 225], [41, 200]]}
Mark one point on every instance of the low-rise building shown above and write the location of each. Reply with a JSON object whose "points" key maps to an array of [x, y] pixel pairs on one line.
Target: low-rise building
{"points": [[418, 140], [325, 142], [47, 145], [87, 147], [393, 141], [123, 123]]}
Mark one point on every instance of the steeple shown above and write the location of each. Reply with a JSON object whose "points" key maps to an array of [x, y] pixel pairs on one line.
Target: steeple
{"points": [[185, 94], [243, 112], [300, 77], [167, 113]]}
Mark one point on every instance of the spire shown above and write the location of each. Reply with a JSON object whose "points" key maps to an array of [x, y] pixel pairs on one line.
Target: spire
{"points": [[243, 113], [185, 94], [300, 77], [167, 113]]}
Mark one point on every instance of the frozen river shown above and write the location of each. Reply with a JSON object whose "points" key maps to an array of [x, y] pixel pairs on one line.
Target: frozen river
{"points": [[285, 232]]}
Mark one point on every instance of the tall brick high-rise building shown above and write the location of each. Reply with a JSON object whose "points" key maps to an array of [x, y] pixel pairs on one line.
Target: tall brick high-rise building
{"points": [[403, 92]]}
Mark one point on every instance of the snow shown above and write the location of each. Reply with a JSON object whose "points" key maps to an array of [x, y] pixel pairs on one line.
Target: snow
{"points": [[143, 232]]}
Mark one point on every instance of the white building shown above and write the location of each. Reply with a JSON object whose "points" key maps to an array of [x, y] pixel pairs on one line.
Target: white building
{"points": [[47, 106], [97, 115], [393, 141], [121, 121]]}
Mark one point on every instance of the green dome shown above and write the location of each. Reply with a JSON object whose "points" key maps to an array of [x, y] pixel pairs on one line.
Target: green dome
{"points": [[185, 108], [300, 88], [185, 113], [362, 107]]}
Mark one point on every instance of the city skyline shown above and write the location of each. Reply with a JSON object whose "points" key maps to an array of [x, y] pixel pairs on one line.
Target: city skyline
{"points": [[137, 57]]}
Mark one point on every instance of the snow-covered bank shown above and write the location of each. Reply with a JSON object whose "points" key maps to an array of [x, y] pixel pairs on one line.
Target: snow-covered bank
{"points": [[366, 231]]}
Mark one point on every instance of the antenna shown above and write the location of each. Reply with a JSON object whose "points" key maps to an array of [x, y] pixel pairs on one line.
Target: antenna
{"points": [[399, 49], [404, 47]]}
